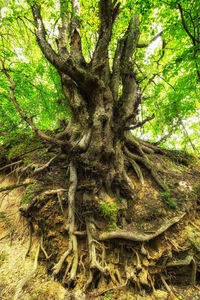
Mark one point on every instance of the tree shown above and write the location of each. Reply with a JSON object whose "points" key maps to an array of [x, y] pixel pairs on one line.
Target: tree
{"points": [[104, 85]]}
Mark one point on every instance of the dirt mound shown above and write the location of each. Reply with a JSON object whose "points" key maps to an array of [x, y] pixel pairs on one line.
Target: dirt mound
{"points": [[144, 248]]}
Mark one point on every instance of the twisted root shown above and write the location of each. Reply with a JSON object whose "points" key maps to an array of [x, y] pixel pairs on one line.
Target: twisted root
{"points": [[73, 247]]}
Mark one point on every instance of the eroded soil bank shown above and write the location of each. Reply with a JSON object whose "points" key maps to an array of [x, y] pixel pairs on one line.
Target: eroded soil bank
{"points": [[145, 248]]}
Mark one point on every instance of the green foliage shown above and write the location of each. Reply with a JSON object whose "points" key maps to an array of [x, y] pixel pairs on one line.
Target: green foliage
{"points": [[108, 297], [110, 210], [173, 96], [166, 197]]}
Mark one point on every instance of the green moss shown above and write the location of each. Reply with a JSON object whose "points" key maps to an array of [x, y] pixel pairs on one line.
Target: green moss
{"points": [[24, 144], [182, 158], [30, 192], [110, 210]]}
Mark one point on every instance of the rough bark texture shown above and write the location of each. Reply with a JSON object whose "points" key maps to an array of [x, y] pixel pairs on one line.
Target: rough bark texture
{"points": [[96, 131]]}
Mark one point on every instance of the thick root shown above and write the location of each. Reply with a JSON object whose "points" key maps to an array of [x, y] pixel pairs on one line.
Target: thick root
{"points": [[43, 249], [72, 248], [135, 167], [94, 263], [139, 237], [149, 167]]}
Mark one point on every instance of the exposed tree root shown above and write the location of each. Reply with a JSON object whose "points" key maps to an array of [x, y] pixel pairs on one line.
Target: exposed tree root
{"points": [[128, 180], [30, 239], [15, 171], [72, 248], [94, 263], [139, 237], [12, 187], [23, 170], [147, 164], [186, 262], [10, 165], [60, 202], [135, 167], [91, 232], [168, 288], [26, 208], [29, 275], [47, 164], [43, 249]]}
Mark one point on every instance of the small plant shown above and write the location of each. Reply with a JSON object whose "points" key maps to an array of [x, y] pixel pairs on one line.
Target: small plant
{"points": [[172, 202], [110, 210], [166, 197], [107, 297], [112, 226]]}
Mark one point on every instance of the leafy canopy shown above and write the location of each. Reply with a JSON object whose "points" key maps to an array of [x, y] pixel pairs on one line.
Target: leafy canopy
{"points": [[167, 67]]}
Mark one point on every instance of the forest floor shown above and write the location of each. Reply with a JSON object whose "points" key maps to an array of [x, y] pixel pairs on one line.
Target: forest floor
{"points": [[165, 267]]}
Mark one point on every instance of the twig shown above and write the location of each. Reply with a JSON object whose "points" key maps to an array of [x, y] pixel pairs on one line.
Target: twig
{"points": [[167, 287], [140, 124], [7, 166], [12, 187], [22, 114], [47, 164]]}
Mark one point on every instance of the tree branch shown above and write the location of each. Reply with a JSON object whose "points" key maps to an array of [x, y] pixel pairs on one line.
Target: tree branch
{"points": [[151, 41], [129, 93], [22, 114], [107, 15], [184, 24], [140, 124], [75, 34], [63, 36], [65, 63]]}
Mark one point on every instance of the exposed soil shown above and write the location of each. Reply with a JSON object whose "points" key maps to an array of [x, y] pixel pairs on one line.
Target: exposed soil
{"points": [[166, 265]]}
